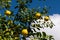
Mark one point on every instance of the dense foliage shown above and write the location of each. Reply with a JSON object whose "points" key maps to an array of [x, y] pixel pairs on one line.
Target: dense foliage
{"points": [[23, 22]]}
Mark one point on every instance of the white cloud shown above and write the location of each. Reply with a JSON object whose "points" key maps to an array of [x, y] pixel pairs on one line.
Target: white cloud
{"points": [[55, 31]]}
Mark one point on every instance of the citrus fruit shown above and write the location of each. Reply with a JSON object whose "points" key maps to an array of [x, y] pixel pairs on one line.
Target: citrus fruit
{"points": [[24, 31], [7, 12], [38, 15], [46, 18]]}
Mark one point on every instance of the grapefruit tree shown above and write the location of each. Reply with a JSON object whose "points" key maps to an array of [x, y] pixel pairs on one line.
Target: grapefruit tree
{"points": [[24, 21]]}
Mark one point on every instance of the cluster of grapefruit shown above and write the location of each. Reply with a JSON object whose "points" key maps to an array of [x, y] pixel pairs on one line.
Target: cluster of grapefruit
{"points": [[37, 15]]}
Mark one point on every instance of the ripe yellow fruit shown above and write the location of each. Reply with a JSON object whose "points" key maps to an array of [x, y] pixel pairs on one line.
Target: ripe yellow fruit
{"points": [[24, 31], [7, 12], [37, 15], [46, 18]]}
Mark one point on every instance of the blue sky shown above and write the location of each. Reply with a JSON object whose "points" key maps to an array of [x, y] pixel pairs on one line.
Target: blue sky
{"points": [[54, 4]]}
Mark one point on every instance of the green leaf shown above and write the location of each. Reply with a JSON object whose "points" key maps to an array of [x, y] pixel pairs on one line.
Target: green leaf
{"points": [[38, 28], [34, 30], [44, 34], [39, 34], [44, 39], [51, 26], [47, 25], [38, 25], [51, 37]]}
